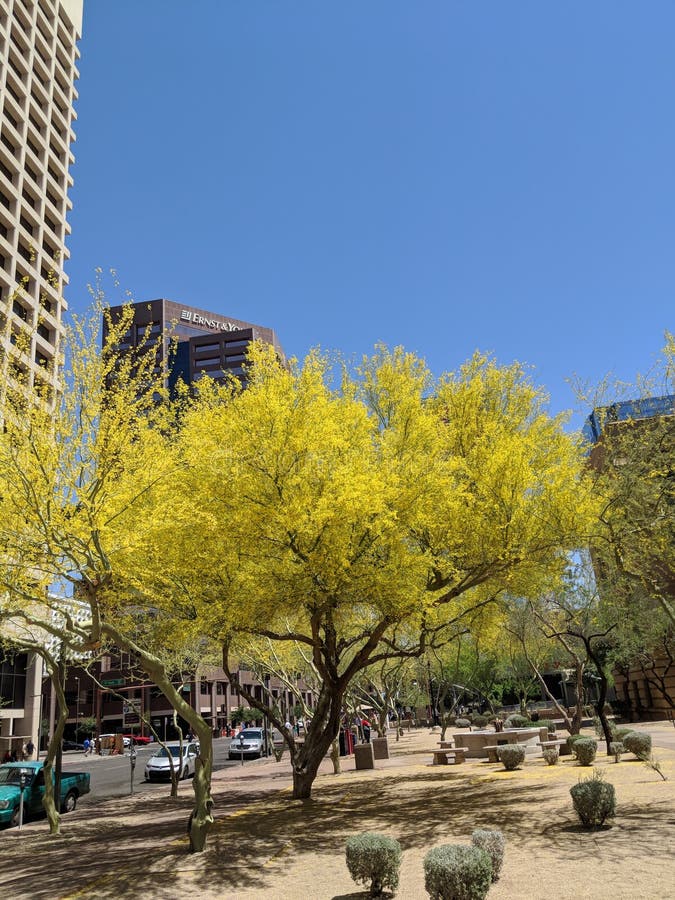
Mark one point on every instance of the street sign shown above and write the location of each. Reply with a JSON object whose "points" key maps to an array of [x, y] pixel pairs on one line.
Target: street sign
{"points": [[131, 714], [112, 682]]}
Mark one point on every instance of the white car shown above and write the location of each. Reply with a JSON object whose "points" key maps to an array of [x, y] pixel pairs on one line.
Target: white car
{"points": [[160, 764], [250, 742]]}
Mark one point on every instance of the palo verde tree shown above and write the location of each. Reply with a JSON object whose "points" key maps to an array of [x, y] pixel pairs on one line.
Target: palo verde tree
{"points": [[84, 482], [365, 519]]}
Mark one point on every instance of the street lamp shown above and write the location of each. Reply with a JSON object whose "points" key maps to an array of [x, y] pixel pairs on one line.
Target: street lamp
{"points": [[77, 709]]}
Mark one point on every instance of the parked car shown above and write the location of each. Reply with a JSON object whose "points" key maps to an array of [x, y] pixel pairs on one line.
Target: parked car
{"points": [[161, 762], [72, 745], [73, 785], [250, 742], [136, 739]]}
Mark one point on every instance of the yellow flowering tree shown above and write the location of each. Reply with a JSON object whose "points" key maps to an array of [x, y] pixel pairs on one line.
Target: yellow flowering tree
{"points": [[85, 485], [368, 515]]}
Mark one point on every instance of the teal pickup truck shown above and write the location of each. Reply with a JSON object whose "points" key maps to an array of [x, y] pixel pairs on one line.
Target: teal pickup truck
{"points": [[73, 785]]}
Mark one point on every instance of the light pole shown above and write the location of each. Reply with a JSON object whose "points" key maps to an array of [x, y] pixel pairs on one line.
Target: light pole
{"points": [[265, 725], [77, 709]]}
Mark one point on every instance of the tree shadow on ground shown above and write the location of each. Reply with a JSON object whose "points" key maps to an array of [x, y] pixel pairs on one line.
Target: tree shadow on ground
{"points": [[260, 832]]}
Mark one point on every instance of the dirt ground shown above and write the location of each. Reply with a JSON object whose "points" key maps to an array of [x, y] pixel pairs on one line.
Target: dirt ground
{"points": [[266, 846]]}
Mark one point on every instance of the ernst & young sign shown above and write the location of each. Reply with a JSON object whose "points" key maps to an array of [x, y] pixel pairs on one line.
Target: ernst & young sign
{"points": [[187, 315]]}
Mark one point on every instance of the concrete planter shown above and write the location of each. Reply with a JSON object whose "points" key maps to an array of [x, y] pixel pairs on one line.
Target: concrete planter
{"points": [[380, 748], [363, 756]]}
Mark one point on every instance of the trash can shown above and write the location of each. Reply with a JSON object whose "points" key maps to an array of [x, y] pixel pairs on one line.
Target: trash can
{"points": [[363, 756], [346, 742]]}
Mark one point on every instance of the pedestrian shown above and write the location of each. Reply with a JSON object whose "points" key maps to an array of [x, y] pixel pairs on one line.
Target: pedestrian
{"points": [[87, 746], [30, 747]]}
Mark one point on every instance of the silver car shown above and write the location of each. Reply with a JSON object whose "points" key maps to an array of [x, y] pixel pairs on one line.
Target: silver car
{"points": [[249, 743], [160, 764]]}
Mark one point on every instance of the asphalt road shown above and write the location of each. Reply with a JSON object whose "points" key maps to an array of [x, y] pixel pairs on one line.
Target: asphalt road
{"points": [[111, 775]]}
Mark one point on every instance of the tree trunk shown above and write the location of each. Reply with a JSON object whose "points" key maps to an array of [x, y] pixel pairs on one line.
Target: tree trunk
{"points": [[578, 714], [306, 759], [600, 709], [597, 658], [52, 763], [201, 817], [335, 756]]}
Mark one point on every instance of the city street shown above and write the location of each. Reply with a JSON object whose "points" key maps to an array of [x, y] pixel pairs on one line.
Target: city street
{"points": [[111, 775]]}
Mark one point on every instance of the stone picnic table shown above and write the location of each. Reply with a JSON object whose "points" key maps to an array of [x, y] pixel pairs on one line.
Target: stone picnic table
{"points": [[482, 744]]}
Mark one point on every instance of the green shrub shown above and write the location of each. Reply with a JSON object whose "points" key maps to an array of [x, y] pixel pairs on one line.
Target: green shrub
{"points": [[620, 733], [479, 721], [594, 800], [616, 748], [457, 872], [493, 844], [516, 721], [572, 739], [374, 859], [639, 743], [551, 755], [511, 755], [462, 723], [585, 750], [547, 723]]}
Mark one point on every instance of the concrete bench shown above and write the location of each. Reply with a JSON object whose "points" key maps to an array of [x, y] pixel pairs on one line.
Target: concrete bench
{"points": [[446, 745], [450, 756], [559, 742]]}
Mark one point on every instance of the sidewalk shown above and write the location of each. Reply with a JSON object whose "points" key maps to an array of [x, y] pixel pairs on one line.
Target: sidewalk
{"points": [[265, 845]]}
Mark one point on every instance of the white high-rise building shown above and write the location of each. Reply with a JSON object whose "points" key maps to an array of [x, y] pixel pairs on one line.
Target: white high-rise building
{"points": [[38, 70]]}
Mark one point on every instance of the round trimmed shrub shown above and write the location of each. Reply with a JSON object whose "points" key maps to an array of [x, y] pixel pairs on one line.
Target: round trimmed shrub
{"points": [[551, 755], [457, 872], [516, 721], [594, 800], [572, 739], [493, 843], [620, 733], [462, 723], [585, 750], [374, 860], [616, 748], [479, 721], [639, 743], [511, 755]]}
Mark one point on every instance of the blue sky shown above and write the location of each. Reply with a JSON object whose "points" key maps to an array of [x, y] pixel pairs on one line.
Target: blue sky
{"points": [[446, 176]]}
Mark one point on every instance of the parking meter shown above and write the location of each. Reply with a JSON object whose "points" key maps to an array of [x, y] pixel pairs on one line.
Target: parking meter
{"points": [[23, 778], [241, 747], [132, 764]]}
